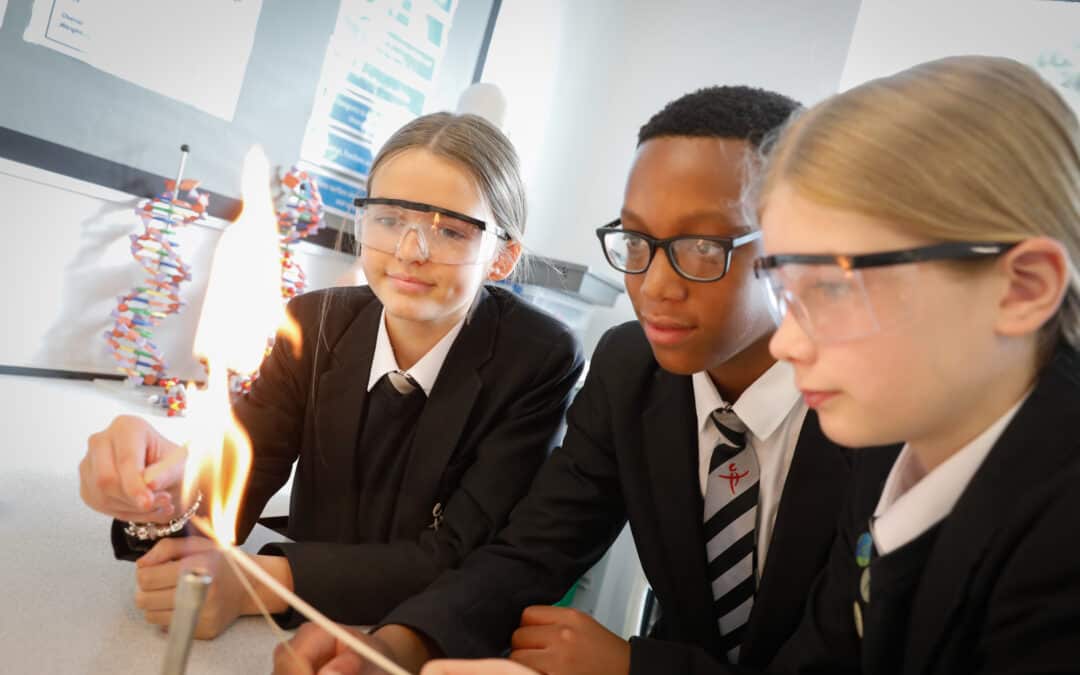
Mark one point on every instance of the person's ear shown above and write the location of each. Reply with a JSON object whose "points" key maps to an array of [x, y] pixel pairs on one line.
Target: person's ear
{"points": [[1037, 276], [505, 261]]}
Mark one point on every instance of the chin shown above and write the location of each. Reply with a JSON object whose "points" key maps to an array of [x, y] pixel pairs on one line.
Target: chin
{"points": [[852, 431], [405, 306], [676, 361]]}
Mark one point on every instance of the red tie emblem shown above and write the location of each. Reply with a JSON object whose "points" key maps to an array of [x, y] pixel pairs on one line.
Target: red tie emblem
{"points": [[733, 477]]}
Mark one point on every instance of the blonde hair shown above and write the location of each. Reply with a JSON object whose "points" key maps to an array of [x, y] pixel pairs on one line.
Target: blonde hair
{"points": [[966, 148]]}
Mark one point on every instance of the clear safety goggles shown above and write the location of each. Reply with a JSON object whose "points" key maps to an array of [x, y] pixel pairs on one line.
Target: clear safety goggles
{"points": [[438, 235], [837, 298]]}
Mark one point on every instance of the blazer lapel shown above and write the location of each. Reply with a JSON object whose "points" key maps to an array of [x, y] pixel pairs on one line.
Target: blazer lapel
{"points": [[670, 446], [339, 406], [1037, 443], [806, 520], [446, 412]]}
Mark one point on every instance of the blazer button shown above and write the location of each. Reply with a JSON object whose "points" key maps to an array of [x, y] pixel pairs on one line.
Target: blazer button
{"points": [[436, 516]]}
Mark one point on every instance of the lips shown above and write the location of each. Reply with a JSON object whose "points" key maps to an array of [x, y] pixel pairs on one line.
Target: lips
{"points": [[408, 283], [666, 331], [815, 399]]}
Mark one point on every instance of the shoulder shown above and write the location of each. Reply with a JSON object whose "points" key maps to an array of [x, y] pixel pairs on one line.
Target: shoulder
{"points": [[522, 324], [623, 361], [330, 311], [338, 297], [1048, 516], [625, 346], [1034, 554]]}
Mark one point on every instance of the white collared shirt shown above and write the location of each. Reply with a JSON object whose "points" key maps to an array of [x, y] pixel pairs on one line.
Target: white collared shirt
{"points": [[913, 501], [773, 411], [424, 372]]}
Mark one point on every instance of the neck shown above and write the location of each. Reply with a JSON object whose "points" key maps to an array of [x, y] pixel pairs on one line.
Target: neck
{"points": [[740, 371], [411, 340], [981, 407]]}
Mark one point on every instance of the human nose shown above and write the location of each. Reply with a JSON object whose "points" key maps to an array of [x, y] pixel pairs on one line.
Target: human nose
{"points": [[790, 342], [661, 281], [412, 247]]}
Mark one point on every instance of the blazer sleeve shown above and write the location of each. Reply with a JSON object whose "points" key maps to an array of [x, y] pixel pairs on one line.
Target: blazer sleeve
{"points": [[571, 515], [359, 583]]}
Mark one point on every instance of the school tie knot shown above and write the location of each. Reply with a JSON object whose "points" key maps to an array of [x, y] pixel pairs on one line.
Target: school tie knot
{"points": [[402, 382], [732, 436]]}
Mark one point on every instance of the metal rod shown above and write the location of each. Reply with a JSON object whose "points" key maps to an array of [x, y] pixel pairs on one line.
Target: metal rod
{"points": [[190, 594], [184, 149]]}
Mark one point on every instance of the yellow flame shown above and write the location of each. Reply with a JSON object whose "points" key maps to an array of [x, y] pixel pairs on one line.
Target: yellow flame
{"points": [[242, 308]]}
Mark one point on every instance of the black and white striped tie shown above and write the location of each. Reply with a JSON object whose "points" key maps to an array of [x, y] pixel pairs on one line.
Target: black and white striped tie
{"points": [[731, 498]]}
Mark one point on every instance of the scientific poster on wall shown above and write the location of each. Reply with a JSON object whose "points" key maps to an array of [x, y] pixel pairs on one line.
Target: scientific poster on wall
{"points": [[890, 36], [144, 43], [380, 68]]}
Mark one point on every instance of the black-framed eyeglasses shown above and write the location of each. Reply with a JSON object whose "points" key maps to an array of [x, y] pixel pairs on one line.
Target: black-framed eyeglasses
{"points": [[836, 298], [694, 257], [365, 202]]}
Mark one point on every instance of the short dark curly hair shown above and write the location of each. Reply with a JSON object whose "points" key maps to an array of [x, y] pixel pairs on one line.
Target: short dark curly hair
{"points": [[739, 112]]}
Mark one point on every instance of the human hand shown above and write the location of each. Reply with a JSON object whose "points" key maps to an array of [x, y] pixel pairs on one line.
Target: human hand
{"points": [[562, 641], [313, 650], [131, 472], [157, 573], [483, 667]]}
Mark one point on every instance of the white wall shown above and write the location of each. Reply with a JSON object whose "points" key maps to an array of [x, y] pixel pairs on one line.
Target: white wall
{"points": [[582, 77], [890, 36]]}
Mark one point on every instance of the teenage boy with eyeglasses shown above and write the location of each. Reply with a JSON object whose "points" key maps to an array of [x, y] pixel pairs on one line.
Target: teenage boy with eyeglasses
{"points": [[686, 427]]}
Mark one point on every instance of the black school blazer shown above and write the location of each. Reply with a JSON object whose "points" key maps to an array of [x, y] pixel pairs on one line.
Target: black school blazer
{"points": [[493, 416], [631, 452], [1000, 592]]}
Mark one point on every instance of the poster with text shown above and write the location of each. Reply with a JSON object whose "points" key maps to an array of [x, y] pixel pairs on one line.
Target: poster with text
{"points": [[195, 51], [379, 71]]}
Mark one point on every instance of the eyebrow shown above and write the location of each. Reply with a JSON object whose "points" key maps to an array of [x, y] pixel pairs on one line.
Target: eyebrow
{"points": [[715, 214]]}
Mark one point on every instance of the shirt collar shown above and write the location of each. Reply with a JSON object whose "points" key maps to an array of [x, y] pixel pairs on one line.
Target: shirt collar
{"points": [[762, 407], [424, 372], [913, 501]]}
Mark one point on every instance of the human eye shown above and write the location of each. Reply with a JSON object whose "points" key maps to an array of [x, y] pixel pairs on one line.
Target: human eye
{"points": [[383, 217], [831, 289], [451, 234], [455, 230], [707, 248]]}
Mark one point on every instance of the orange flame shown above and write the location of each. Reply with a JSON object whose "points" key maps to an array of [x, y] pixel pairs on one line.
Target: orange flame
{"points": [[242, 308]]}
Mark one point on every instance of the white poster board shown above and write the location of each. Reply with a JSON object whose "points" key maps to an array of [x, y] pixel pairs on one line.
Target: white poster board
{"points": [[149, 43]]}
